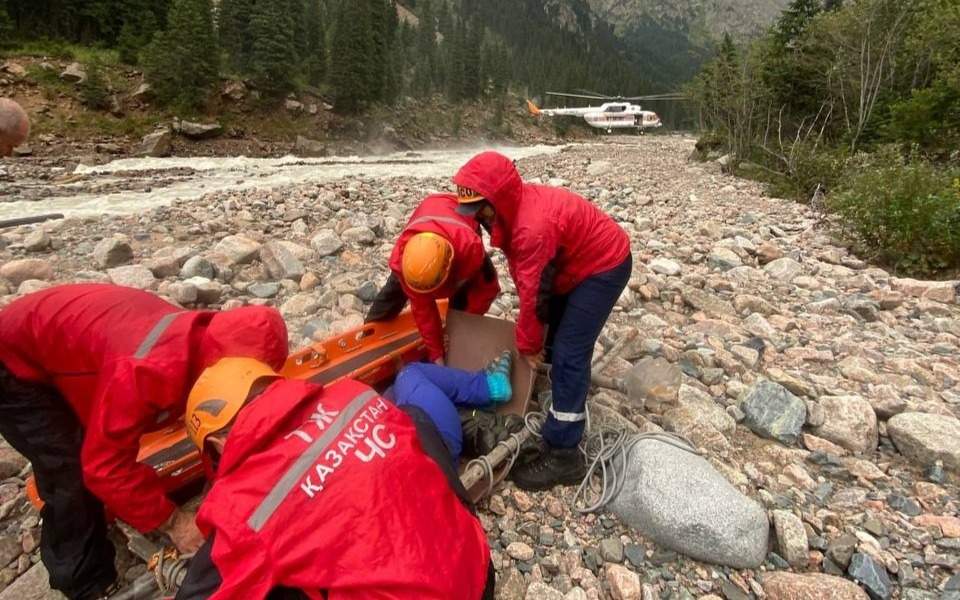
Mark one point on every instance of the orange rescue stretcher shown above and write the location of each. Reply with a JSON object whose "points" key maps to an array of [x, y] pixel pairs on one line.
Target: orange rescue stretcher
{"points": [[374, 354]]}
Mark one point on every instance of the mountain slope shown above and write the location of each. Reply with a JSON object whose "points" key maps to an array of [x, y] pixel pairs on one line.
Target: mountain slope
{"points": [[697, 17]]}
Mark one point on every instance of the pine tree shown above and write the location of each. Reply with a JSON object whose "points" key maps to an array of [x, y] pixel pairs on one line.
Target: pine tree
{"points": [[315, 63], [236, 37], [182, 63], [140, 23], [348, 75], [6, 26], [794, 20], [273, 57], [425, 76], [472, 82], [457, 76]]}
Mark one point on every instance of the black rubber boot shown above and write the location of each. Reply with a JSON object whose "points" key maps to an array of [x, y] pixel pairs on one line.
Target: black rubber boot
{"points": [[550, 467]]}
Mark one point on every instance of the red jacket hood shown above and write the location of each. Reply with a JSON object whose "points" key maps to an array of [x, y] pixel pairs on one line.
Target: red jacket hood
{"points": [[254, 331], [495, 177]]}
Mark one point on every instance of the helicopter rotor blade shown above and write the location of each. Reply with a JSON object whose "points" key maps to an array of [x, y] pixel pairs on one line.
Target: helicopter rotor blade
{"points": [[667, 96], [576, 96]]}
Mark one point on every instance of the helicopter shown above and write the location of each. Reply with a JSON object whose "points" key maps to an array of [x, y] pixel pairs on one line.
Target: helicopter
{"points": [[617, 113]]}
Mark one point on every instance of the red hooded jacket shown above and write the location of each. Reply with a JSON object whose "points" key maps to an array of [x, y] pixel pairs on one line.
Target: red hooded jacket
{"points": [[438, 214], [553, 238], [125, 360], [329, 490]]}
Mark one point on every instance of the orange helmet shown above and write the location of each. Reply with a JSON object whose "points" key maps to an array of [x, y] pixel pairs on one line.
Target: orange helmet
{"points": [[219, 394], [466, 195], [427, 259]]}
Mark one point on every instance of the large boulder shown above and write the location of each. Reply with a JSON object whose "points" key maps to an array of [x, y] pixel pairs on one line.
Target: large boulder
{"points": [[793, 586], [849, 421], [18, 271], [669, 509], [927, 438], [771, 411]]}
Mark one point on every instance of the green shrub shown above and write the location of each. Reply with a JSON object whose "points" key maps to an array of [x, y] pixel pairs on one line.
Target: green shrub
{"points": [[806, 168], [905, 211], [94, 90]]}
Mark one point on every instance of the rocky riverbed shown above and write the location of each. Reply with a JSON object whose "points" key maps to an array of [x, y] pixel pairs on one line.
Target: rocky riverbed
{"points": [[821, 390]]}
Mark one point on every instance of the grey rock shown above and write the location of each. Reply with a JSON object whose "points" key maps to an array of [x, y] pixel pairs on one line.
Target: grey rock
{"points": [[665, 266], [262, 289], [198, 131], [280, 262], [850, 422], [635, 555], [359, 235], [310, 148], [32, 585], [74, 73], [112, 252], [654, 383], [208, 292], [197, 266], [907, 506], [871, 575], [326, 243], [841, 549], [927, 438], [183, 293], [784, 269], [724, 259], [611, 550], [696, 408], [167, 262], [157, 144], [135, 276], [710, 304], [520, 551], [238, 249], [367, 291], [9, 549], [773, 412], [729, 530], [37, 240], [791, 538]]}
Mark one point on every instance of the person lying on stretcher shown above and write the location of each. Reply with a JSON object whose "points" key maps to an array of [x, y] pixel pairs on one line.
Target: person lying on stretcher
{"points": [[338, 492]]}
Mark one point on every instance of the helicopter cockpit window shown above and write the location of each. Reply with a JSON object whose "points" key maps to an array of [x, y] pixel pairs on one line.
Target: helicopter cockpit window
{"points": [[616, 108]]}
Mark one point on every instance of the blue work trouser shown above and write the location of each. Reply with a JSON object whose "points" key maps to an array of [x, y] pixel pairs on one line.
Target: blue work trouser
{"points": [[438, 391], [576, 321]]}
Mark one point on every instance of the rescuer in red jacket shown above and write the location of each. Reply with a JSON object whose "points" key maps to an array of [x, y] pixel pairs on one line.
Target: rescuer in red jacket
{"points": [[85, 370], [570, 263], [438, 255], [334, 492]]}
